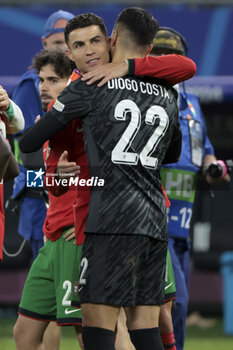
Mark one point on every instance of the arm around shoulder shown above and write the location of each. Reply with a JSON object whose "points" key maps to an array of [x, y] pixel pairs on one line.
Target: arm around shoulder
{"points": [[171, 68]]}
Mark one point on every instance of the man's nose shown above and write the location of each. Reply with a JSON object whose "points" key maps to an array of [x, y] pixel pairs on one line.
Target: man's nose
{"points": [[89, 49], [43, 86]]}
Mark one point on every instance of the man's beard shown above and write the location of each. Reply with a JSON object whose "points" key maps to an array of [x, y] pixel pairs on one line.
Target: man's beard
{"points": [[45, 104]]}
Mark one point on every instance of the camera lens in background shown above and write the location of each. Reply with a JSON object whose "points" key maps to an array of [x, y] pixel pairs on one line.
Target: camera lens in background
{"points": [[217, 169]]}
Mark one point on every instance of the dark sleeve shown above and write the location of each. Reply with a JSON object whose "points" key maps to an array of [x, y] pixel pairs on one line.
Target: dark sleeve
{"points": [[74, 102], [34, 138], [171, 68], [174, 149]]}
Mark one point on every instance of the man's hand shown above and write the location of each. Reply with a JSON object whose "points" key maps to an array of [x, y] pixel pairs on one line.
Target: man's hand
{"points": [[4, 99], [214, 181], [210, 159], [37, 119], [106, 72], [70, 234], [66, 169]]}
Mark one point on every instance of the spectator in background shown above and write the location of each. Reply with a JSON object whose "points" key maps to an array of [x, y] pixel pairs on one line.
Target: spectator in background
{"points": [[179, 181], [11, 120], [33, 206], [27, 96]]}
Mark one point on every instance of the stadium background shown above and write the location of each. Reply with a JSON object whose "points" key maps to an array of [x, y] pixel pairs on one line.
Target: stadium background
{"points": [[209, 34]]}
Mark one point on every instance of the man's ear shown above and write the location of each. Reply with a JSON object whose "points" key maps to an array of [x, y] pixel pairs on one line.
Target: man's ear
{"points": [[109, 43], [43, 42], [69, 54], [149, 50], [114, 37]]}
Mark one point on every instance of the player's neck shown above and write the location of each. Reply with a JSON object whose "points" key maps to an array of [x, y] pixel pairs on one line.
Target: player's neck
{"points": [[122, 54]]}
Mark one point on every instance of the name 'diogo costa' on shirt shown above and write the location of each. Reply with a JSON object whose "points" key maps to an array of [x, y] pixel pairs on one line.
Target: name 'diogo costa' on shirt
{"points": [[133, 85]]}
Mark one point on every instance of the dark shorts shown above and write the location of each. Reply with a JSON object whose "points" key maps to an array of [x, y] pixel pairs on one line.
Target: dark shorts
{"points": [[122, 270]]}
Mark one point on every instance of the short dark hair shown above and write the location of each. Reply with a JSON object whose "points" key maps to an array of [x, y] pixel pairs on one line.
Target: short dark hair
{"points": [[83, 21], [63, 66], [140, 23]]}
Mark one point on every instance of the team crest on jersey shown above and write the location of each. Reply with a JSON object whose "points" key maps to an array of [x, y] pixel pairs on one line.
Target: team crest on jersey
{"points": [[76, 285], [59, 106]]}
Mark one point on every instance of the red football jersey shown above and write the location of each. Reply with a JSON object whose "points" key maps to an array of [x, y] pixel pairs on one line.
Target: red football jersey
{"points": [[72, 204], [60, 212]]}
